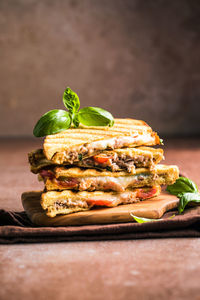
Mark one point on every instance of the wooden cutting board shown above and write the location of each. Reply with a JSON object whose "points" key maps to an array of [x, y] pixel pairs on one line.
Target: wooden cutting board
{"points": [[153, 208]]}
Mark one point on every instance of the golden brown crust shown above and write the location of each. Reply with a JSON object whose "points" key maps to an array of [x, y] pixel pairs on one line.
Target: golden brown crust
{"points": [[55, 146]]}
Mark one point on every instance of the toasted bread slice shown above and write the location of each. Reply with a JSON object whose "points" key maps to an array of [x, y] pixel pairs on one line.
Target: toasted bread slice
{"points": [[70, 145], [38, 161], [93, 180], [80, 172], [67, 202], [126, 159]]}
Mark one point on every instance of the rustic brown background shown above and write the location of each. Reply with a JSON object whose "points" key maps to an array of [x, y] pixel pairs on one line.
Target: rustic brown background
{"points": [[136, 58]]}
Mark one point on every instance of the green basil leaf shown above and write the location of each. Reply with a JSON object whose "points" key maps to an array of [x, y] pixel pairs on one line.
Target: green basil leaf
{"points": [[188, 198], [172, 216], [71, 100], [161, 142], [181, 186], [95, 116], [52, 122], [142, 220], [145, 220], [75, 120]]}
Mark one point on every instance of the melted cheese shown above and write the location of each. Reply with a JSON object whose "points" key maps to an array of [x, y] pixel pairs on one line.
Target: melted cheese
{"points": [[139, 139], [118, 184]]}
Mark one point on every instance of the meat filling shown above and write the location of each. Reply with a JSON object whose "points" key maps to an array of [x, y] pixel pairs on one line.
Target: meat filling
{"points": [[115, 163], [114, 200], [97, 146], [111, 161], [67, 203]]}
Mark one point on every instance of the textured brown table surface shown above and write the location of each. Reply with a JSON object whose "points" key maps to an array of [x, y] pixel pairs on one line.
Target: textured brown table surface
{"points": [[133, 269]]}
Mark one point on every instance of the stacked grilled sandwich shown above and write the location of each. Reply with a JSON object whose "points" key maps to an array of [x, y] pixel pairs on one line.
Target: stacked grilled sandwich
{"points": [[89, 167]]}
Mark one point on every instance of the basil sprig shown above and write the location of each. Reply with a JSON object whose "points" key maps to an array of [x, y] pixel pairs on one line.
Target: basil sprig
{"points": [[57, 120], [186, 190]]}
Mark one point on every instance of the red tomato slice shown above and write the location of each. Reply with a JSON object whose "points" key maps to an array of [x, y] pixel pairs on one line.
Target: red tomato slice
{"points": [[47, 174], [101, 159], [68, 183], [100, 202], [144, 194]]}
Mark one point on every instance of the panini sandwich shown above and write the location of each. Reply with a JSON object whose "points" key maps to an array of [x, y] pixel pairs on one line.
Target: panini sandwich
{"points": [[87, 167], [94, 180], [75, 143], [69, 201], [127, 159]]}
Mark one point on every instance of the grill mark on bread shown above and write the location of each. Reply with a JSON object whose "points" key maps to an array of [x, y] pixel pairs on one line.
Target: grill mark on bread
{"points": [[78, 139]]}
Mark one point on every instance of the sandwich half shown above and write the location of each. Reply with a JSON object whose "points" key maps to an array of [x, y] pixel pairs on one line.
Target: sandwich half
{"points": [[78, 143], [126, 159], [93, 180], [67, 202]]}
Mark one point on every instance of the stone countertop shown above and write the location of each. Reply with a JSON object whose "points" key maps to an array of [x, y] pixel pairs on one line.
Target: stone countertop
{"points": [[133, 269]]}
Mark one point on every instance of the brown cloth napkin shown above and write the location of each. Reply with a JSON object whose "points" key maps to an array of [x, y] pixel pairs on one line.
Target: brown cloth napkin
{"points": [[15, 227]]}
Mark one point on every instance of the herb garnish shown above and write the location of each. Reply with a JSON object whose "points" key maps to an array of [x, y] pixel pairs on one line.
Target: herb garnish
{"points": [[142, 220], [186, 190], [145, 220], [161, 142], [57, 120]]}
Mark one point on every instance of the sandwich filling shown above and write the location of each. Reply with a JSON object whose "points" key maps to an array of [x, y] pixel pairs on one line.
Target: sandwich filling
{"points": [[90, 149], [113, 162], [58, 181], [117, 160]]}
